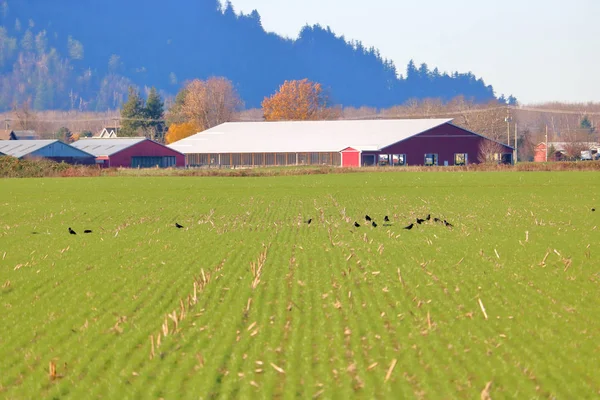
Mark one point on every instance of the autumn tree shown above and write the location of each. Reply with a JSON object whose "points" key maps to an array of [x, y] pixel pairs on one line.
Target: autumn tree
{"points": [[64, 134], [26, 119], [209, 103], [299, 101], [489, 152], [180, 131]]}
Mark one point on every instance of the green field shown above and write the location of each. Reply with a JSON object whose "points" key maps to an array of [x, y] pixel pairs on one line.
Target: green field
{"points": [[287, 310]]}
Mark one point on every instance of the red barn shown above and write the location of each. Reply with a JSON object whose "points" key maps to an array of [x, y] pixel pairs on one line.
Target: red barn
{"points": [[131, 153], [392, 142]]}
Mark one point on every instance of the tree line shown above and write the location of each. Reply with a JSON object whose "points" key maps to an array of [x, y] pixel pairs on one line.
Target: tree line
{"points": [[76, 66]]}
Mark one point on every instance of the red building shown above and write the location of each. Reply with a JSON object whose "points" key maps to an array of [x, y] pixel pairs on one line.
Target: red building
{"points": [[346, 143], [131, 153]]}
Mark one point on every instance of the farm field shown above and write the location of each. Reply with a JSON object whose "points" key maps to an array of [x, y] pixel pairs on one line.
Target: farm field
{"points": [[248, 301]]}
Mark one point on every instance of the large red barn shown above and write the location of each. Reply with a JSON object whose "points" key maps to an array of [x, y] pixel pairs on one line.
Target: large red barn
{"points": [[393, 142], [131, 152]]}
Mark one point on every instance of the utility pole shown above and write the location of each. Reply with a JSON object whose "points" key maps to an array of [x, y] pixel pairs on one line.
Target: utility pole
{"points": [[508, 120], [546, 143], [516, 144]]}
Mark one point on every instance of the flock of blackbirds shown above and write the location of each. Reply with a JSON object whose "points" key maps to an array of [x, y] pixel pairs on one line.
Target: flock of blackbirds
{"points": [[72, 232], [386, 220]]}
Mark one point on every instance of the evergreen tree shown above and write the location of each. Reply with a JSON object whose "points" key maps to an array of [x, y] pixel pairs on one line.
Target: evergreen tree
{"points": [[132, 114], [587, 124], [154, 112]]}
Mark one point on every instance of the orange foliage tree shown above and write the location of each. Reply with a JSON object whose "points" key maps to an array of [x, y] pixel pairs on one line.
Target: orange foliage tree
{"points": [[299, 101], [210, 103], [181, 131]]}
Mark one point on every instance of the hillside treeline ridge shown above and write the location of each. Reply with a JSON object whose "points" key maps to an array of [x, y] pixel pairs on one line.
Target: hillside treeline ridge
{"points": [[84, 55]]}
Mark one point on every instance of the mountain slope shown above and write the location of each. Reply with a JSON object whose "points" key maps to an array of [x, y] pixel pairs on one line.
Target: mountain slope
{"points": [[96, 49]]}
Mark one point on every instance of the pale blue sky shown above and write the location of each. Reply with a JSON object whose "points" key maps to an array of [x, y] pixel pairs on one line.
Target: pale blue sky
{"points": [[537, 50]]}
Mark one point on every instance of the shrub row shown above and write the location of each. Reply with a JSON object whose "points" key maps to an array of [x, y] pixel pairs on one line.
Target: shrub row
{"points": [[11, 167]]}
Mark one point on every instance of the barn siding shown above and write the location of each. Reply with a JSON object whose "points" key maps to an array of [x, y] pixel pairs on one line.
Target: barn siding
{"points": [[59, 149], [445, 141], [145, 148]]}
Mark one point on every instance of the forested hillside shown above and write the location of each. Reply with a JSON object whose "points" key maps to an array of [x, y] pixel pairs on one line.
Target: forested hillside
{"points": [[83, 54]]}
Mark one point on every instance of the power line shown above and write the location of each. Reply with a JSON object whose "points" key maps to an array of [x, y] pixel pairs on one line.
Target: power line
{"points": [[370, 116]]}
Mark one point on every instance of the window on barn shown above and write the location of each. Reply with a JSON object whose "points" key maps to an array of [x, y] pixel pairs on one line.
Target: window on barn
{"points": [[368, 160], [384, 160], [398, 160], [151, 162], [460, 159], [506, 158], [431, 159]]}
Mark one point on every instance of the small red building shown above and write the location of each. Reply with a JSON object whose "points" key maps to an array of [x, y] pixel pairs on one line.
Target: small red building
{"points": [[350, 157], [131, 153]]}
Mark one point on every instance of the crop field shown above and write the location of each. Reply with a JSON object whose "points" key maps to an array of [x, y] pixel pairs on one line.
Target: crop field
{"points": [[247, 300]]}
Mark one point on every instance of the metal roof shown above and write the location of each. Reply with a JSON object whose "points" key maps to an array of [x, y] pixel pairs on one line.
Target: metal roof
{"points": [[106, 147], [20, 148], [303, 136]]}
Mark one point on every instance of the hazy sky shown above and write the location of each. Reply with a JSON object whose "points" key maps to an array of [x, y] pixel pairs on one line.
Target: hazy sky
{"points": [[537, 50]]}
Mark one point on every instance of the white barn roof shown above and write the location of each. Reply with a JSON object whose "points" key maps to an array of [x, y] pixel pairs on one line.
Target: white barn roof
{"points": [[303, 136], [106, 147]]}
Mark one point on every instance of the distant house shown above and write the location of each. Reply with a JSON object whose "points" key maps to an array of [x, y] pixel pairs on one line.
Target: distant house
{"points": [[561, 150], [54, 150], [133, 152], [18, 135], [107, 133]]}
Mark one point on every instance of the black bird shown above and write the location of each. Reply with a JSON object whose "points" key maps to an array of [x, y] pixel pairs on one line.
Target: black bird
{"points": [[367, 218], [309, 221], [386, 219], [409, 227], [178, 226], [437, 220], [448, 223], [374, 224], [72, 232], [420, 221], [356, 224], [87, 231], [593, 209], [428, 217]]}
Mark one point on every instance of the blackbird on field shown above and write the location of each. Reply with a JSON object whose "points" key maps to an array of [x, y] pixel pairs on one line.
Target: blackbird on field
{"points": [[72, 232], [356, 224], [87, 231], [409, 227], [386, 219], [367, 218], [593, 209], [437, 220], [420, 221], [428, 217], [309, 221], [448, 223], [178, 226], [374, 224]]}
